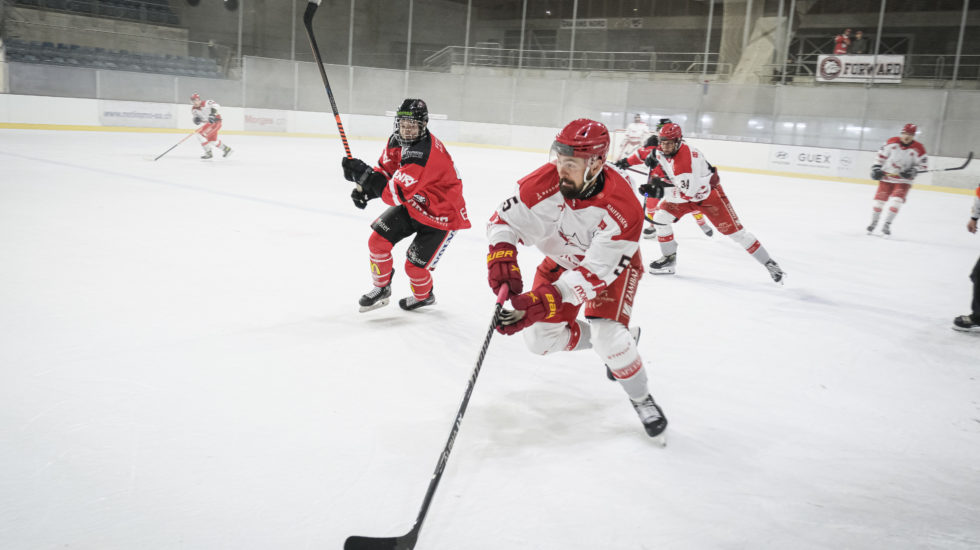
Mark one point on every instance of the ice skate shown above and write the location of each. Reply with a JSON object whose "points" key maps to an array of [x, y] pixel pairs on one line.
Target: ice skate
{"points": [[654, 421], [886, 229], [707, 230], [635, 333], [226, 150], [664, 266], [377, 297], [775, 271], [965, 323], [207, 154], [650, 232], [410, 303], [871, 228]]}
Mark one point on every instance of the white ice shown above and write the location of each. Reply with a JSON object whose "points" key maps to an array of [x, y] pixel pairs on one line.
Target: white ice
{"points": [[182, 366]]}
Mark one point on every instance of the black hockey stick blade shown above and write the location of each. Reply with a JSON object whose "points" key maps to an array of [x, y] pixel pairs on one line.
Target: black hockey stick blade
{"points": [[407, 541], [969, 157]]}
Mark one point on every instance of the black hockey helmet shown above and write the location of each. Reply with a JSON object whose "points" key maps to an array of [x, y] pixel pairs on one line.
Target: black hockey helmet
{"points": [[416, 110], [663, 122]]}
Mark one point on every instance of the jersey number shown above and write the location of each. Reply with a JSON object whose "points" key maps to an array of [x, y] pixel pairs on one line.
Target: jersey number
{"points": [[510, 202], [624, 263]]}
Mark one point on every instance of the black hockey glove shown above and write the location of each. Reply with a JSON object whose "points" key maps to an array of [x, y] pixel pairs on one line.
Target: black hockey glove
{"points": [[198, 120], [212, 119], [622, 164], [354, 169], [909, 173], [651, 160], [654, 188], [876, 172], [360, 198]]}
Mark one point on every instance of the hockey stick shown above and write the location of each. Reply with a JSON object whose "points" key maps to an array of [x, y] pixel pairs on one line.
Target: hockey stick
{"points": [[969, 157], [178, 143], [407, 541], [308, 22]]}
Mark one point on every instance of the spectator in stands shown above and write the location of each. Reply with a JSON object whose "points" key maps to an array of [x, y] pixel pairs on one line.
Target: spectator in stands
{"points": [[841, 42], [859, 46]]}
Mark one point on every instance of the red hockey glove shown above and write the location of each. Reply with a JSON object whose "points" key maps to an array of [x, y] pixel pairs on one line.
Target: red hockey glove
{"points": [[502, 269], [540, 304]]}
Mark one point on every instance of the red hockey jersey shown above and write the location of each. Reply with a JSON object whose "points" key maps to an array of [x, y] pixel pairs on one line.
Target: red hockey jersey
{"points": [[423, 177]]}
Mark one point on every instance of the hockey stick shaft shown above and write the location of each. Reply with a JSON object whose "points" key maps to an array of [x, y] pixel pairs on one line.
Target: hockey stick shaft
{"points": [[176, 144], [308, 23], [969, 157], [407, 541]]}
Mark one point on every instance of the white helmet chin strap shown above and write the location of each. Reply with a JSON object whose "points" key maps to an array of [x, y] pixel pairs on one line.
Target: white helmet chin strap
{"points": [[589, 182]]}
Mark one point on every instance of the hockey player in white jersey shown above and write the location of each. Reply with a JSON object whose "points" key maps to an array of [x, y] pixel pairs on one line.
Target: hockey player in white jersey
{"points": [[899, 160], [586, 219], [206, 113], [690, 183], [636, 133]]}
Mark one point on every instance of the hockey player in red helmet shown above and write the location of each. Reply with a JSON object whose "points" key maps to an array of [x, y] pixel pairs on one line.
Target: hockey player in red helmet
{"points": [[899, 160], [416, 177], [645, 155], [206, 113], [690, 183], [584, 216]]}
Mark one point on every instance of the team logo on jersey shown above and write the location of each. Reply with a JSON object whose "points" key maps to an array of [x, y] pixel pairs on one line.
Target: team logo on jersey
{"points": [[573, 240], [404, 178]]}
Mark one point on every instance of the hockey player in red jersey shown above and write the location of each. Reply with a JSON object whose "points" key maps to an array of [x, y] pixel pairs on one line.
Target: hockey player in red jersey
{"points": [[689, 182], [899, 160], [586, 219], [415, 176], [971, 321], [642, 156], [206, 113]]}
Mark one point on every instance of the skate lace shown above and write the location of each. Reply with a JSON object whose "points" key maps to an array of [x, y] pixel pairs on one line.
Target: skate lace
{"points": [[376, 291], [646, 409]]}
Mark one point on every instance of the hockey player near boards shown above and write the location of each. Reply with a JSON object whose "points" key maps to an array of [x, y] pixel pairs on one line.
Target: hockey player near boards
{"points": [[645, 155], [585, 218], [206, 113], [971, 321], [635, 132], [899, 160], [415, 176], [694, 185]]}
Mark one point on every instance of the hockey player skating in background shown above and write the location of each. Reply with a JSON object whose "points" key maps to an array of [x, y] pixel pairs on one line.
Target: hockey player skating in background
{"points": [[643, 156], [206, 113], [417, 177], [898, 162], [584, 217], [971, 321], [636, 131], [694, 185]]}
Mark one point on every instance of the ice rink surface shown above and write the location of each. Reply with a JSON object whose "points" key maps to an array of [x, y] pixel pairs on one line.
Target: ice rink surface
{"points": [[182, 365]]}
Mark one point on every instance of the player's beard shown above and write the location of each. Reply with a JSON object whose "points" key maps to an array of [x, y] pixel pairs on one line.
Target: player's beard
{"points": [[568, 188]]}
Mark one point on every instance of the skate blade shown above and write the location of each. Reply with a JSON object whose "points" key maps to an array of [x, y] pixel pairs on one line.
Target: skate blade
{"points": [[666, 271], [963, 329], [654, 236], [378, 304]]}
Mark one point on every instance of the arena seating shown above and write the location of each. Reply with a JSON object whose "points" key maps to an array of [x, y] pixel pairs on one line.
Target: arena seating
{"points": [[73, 55]]}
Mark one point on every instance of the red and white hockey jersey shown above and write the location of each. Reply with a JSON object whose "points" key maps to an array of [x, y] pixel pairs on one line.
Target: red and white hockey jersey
{"points": [[895, 157], [423, 177], [975, 211], [205, 110], [688, 170], [593, 238]]}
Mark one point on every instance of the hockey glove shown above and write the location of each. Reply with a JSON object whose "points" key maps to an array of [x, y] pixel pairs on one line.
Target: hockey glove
{"points": [[653, 188], [541, 304], [622, 164], [198, 120], [502, 269], [877, 173], [908, 173], [360, 198], [212, 119], [354, 169], [651, 160]]}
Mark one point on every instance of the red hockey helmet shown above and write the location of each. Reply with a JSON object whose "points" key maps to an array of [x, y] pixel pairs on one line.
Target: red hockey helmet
{"points": [[195, 97], [671, 131], [910, 129], [582, 138]]}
